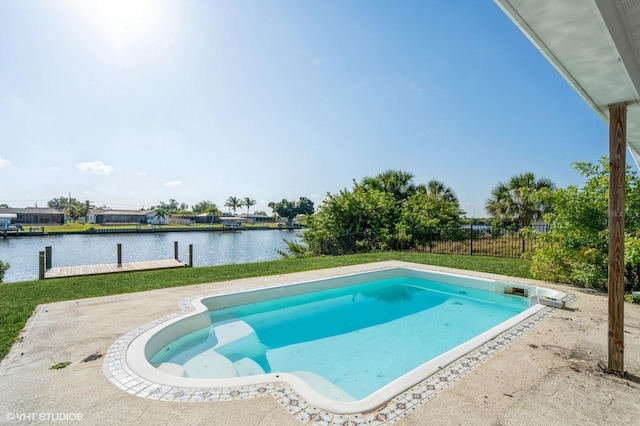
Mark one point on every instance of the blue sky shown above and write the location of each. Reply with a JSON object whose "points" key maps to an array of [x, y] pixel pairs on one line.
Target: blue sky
{"points": [[127, 104]]}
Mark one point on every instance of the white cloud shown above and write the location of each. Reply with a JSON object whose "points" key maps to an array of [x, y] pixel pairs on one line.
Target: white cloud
{"points": [[4, 163], [94, 168], [140, 173], [173, 184]]}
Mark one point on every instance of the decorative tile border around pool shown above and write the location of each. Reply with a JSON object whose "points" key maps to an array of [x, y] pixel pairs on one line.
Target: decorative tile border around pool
{"points": [[117, 371]]}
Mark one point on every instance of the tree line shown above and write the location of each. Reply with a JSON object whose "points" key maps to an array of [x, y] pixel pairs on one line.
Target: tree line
{"points": [[285, 209], [390, 210]]}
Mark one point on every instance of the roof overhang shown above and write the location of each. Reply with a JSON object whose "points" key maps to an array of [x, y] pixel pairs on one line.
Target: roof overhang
{"points": [[595, 45]]}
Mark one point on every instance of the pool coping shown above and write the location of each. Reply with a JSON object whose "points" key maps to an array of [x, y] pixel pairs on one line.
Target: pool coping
{"points": [[118, 372]]}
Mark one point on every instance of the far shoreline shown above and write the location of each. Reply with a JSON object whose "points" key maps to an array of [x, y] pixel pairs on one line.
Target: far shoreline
{"points": [[93, 229]]}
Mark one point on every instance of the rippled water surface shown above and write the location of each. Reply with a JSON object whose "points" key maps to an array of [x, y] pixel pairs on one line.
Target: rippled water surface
{"points": [[209, 248]]}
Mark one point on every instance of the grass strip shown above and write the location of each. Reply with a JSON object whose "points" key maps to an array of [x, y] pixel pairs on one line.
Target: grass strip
{"points": [[75, 227], [18, 300]]}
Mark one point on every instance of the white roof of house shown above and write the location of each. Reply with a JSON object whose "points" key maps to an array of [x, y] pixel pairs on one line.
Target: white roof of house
{"points": [[232, 219], [121, 212], [31, 210], [595, 45]]}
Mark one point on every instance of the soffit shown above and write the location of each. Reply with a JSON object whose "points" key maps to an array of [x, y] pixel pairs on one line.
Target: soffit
{"points": [[595, 45]]}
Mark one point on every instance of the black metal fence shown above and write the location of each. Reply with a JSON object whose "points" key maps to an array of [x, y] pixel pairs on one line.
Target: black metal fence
{"points": [[474, 240]]}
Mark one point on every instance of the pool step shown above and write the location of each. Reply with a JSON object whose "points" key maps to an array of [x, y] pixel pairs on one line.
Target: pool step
{"points": [[171, 368], [236, 340], [248, 367], [210, 365]]}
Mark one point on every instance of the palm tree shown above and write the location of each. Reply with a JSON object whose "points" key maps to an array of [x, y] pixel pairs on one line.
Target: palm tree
{"points": [[214, 211], [71, 211], [248, 202], [396, 182], [233, 203], [83, 210], [161, 213], [440, 190], [516, 199]]}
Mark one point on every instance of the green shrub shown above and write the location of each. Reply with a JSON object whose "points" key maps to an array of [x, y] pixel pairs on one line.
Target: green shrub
{"points": [[575, 250], [630, 298], [3, 269], [295, 250]]}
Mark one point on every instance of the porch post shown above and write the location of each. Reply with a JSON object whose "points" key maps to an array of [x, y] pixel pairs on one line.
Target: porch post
{"points": [[617, 171]]}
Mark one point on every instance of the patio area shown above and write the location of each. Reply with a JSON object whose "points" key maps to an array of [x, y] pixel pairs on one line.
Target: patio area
{"points": [[549, 374]]}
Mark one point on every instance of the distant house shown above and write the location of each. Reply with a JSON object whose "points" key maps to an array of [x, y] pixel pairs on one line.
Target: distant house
{"points": [[35, 215], [126, 217], [153, 218], [258, 218], [207, 218], [182, 219]]}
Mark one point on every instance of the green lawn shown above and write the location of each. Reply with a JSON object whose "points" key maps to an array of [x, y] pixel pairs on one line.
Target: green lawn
{"points": [[75, 227], [18, 300]]}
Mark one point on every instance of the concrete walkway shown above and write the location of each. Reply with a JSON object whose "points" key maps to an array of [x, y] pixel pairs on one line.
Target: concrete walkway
{"points": [[548, 376]]}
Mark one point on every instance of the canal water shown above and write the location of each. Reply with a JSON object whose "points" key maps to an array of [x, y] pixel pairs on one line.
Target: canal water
{"points": [[209, 248]]}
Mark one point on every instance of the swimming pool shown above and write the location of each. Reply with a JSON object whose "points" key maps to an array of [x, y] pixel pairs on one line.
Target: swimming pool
{"points": [[348, 344]]}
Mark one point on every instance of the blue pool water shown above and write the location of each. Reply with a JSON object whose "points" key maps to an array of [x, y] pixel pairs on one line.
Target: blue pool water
{"points": [[359, 337]]}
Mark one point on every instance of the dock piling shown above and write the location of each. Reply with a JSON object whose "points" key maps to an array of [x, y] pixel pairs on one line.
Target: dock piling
{"points": [[119, 255], [175, 250], [47, 258], [190, 255], [41, 262]]}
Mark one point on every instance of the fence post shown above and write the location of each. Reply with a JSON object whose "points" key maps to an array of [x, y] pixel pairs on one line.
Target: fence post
{"points": [[471, 239], [119, 255], [523, 244], [190, 255], [41, 262], [175, 250], [47, 263]]}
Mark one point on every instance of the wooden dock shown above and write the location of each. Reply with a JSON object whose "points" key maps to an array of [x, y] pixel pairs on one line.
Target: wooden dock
{"points": [[112, 268]]}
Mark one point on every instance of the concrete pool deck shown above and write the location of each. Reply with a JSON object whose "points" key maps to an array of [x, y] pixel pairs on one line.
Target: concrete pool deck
{"points": [[549, 375]]}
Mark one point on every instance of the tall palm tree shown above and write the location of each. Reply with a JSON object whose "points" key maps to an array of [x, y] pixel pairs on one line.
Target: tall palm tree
{"points": [[233, 203], [248, 202], [515, 200]]}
